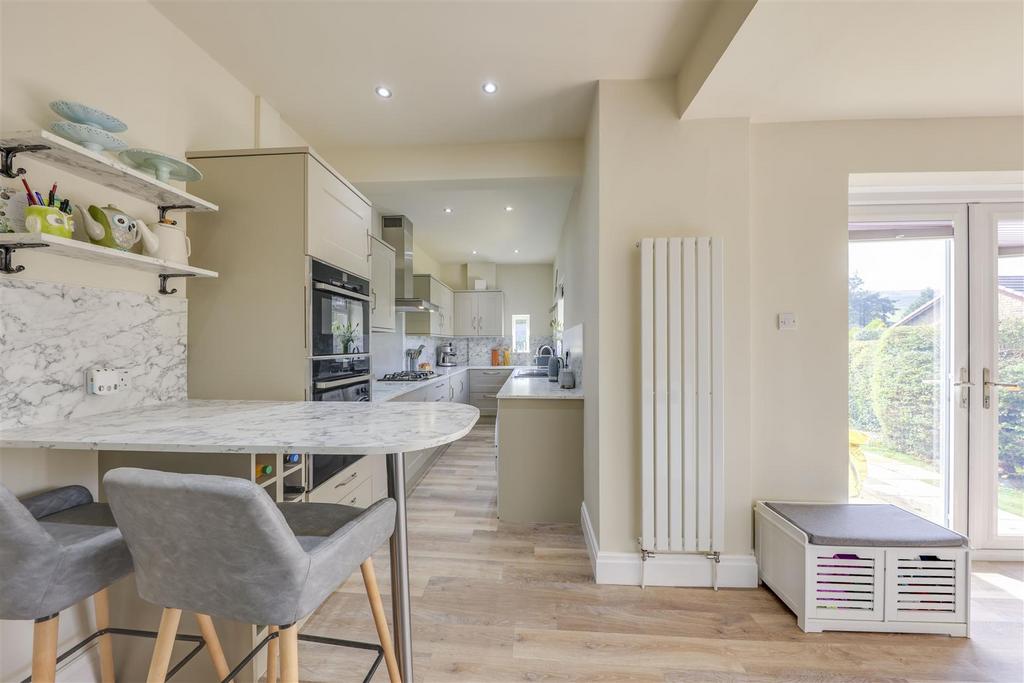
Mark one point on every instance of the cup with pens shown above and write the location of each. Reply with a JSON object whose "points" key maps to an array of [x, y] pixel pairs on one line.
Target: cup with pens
{"points": [[51, 215]]}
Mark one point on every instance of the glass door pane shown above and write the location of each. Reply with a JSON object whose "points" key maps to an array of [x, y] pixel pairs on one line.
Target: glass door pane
{"points": [[907, 343], [997, 367]]}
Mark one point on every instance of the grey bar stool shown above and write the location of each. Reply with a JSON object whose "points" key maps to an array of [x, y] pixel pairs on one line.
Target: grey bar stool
{"points": [[57, 549], [221, 546]]}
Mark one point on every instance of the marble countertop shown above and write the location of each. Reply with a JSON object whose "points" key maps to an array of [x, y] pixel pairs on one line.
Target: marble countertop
{"points": [[257, 427], [388, 391], [536, 387]]}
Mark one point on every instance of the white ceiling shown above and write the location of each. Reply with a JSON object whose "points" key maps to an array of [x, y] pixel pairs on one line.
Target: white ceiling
{"points": [[318, 62], [478, 219], [795, 60]]}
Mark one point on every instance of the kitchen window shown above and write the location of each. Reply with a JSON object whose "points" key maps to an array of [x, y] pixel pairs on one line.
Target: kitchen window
{"points": [[521, 333]]}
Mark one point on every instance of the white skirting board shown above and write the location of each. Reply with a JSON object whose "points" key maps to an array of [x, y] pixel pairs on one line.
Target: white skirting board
{"points": [[623, 569]]}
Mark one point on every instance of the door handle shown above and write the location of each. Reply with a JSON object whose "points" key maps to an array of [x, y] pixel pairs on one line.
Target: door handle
{"points": [[988, 383], [964, 385]]}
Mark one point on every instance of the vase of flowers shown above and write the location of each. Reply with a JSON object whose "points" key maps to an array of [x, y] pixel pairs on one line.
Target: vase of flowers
{"points": [[346, 334]]}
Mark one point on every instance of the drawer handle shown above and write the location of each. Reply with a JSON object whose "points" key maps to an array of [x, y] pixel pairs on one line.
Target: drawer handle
{"points": [[342, 483], [490, 396]]}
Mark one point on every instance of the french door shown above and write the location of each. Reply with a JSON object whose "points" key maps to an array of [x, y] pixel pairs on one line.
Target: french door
{"points": [[996, 449], [937, 363]]}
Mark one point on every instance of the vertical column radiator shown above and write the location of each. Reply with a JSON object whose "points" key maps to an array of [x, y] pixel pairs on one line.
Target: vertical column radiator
{"points": [[681, 332]]}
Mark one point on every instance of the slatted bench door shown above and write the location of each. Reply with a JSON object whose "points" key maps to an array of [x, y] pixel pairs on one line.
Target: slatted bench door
{"points": [[846, 583], [925, 585]]}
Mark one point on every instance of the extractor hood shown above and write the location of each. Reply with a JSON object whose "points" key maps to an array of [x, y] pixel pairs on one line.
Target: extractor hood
{"points": [[397, 231]]}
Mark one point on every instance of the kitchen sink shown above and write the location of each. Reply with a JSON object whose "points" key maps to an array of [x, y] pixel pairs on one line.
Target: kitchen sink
{"points": [[529, 372]]}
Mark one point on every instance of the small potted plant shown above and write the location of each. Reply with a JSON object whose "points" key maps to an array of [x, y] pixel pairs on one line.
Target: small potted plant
{"points": [[346, 334]]}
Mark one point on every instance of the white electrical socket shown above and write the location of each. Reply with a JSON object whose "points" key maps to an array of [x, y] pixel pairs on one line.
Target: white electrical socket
{"points": [[103, 381], [787, 321]]}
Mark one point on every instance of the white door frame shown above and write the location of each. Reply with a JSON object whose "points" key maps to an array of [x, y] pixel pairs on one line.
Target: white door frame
{"points": [[957, 215], [984, 421]]}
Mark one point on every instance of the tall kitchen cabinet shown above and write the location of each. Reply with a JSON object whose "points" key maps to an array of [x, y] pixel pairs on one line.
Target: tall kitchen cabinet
{"points": [[439, 323], [479, 313], [248, 337], [382, 286]]}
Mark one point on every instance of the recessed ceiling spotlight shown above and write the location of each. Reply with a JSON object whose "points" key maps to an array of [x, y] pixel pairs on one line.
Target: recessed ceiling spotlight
{"points": [[447, 209], [516, 250], [474, 252], [490, 87], [383, 91], [508, 209]]}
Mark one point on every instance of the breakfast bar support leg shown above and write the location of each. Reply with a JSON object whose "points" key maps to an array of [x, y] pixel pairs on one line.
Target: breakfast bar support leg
{"points": [[401, 612]]}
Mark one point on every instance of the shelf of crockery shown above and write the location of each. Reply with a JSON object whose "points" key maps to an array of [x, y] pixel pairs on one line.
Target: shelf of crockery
{"points": [[95, 166], [63, 246]]}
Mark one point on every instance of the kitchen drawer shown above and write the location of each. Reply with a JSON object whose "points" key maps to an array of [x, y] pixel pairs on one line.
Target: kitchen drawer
{"points": [[438, 390], [486, 402], [361, 497], [421, 394], [488, 381], [340, 487]]}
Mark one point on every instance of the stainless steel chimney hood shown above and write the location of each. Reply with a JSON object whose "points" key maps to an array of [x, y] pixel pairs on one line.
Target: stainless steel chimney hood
{"points": [[397, 231]]}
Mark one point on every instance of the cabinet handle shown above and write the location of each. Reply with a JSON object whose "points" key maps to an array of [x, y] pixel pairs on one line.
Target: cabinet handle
{"points": [[373, 296], [340, 484]]}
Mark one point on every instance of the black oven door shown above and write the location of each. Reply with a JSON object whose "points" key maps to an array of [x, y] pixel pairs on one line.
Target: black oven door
{"points": [[340, 312], [323, 467]]}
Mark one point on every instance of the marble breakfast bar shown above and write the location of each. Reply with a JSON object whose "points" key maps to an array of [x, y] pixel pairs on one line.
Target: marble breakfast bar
{"points": [[219, 437]]}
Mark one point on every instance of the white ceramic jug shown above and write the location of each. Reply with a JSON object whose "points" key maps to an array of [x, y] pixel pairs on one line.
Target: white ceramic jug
{"points": [[174, 244]]}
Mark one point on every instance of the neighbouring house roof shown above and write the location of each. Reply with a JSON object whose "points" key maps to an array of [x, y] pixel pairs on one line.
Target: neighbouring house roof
{"points": [[922, 313]]}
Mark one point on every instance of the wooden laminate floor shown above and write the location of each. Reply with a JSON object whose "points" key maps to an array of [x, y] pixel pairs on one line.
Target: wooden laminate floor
{"points": [[507, 602]]}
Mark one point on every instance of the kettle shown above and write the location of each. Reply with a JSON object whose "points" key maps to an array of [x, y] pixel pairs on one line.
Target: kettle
{"points": [[554, 366], [110, 227]]}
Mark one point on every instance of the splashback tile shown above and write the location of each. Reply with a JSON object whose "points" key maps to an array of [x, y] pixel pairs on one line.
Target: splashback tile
{"points": [[50, 334]]}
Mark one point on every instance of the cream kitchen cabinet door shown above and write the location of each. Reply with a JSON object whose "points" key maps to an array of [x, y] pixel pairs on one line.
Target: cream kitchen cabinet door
{"points": [[464, 314], [490, 308], [382, 286], [437, 323], [337, 221]]}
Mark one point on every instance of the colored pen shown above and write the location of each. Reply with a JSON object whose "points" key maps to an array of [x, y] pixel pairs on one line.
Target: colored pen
{"points": [[40, 198], [53, 193], [28, 191]]}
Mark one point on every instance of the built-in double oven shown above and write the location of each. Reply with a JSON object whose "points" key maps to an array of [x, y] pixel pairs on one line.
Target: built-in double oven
{"points": [[340, 363]]}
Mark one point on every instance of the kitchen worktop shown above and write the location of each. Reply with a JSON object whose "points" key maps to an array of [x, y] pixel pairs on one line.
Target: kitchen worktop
{"points": [[257, 427], [536, 388], [388, 391]]}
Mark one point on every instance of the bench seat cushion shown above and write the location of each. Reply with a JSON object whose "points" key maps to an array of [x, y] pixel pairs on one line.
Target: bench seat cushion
{"points": [[865, 525]]}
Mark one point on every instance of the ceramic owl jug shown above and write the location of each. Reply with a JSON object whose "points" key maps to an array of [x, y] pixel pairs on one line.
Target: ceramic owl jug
{"points": [[111, 227]]}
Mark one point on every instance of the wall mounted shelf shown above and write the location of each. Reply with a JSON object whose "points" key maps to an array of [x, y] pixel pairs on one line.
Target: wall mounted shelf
{"points": [[12, 241], [96, 167]]}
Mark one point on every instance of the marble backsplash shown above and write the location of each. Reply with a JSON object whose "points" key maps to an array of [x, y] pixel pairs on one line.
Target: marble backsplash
{"points": [[473, 350], [50, 334]]}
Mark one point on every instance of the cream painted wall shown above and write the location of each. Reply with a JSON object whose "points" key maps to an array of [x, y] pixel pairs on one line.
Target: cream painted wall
{"points": [[528, 290], [576, 269], [128, 59], [799, 175], [423, 263], [660, 177]]}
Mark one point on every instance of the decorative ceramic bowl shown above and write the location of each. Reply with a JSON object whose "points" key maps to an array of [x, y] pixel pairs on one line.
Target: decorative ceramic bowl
{"points": [[163, 166], [80, 113], [87, 136], [12, 209]]}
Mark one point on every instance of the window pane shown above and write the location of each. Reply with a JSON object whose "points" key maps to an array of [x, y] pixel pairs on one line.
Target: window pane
{"points": [[520, 333]]}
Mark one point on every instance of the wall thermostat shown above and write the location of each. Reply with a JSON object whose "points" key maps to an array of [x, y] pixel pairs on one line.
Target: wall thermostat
{"points": [[102, 381]]}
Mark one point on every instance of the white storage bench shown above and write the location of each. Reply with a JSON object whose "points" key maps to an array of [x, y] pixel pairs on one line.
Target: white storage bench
{"points": [[843, 567]]}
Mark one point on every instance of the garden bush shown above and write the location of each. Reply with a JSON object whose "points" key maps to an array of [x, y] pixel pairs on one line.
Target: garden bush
{"points": [[1011, 403], [861, 364], [904, 390]]}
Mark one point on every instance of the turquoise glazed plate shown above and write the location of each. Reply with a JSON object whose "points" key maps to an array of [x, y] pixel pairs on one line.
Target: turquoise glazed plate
{"points": [[163, 166], [80, 113], [87, 136]]}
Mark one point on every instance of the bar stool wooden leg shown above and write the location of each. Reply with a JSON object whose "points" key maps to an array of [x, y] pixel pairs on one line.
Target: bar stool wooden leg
{"points": [[44, 650], [101, 606], [272, 662], [164, 644], [289, 654], [209, 633], [381, 622]]}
